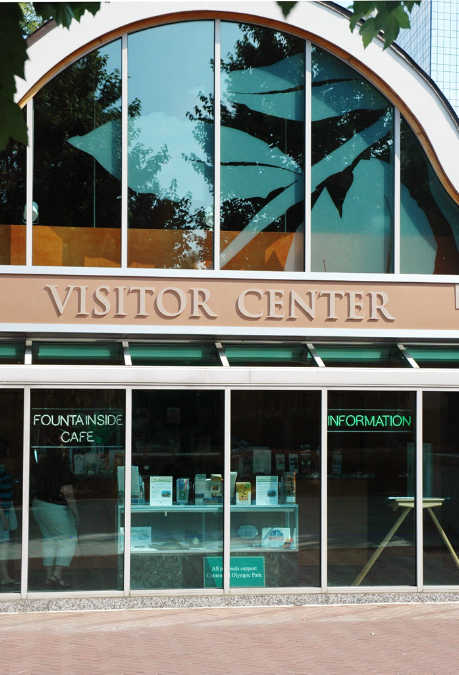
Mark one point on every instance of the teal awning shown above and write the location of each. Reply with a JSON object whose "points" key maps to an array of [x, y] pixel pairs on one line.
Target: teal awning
{"points": [[268, 355], [78, 353], [173, 354], [361, 356]]}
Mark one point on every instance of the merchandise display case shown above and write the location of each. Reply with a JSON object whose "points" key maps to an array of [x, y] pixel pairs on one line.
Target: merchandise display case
{"points": [[181, 527], [171, 546]]}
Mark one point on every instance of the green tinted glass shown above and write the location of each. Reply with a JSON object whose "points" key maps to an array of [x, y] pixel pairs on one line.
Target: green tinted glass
{"points": [[78, 353], [12, 352], [168, 354], [268, 355], [361, 356], [440, 356]]}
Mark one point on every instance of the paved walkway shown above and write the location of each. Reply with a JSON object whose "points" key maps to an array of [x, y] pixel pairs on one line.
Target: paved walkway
{"points": [[387, 639]]}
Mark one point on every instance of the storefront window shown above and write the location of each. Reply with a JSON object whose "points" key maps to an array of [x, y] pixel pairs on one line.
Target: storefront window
{"points": [[352, 170], [275, 490], [76, 473], [11, 443], [171, 146], [77, 164], [371, 487], [262, 149], [429, 218], [440, 488], [13, 204], [177, 488]]}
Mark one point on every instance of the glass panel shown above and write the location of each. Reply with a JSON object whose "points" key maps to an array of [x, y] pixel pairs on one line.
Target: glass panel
{"points": [[441, 487], [268, 355], [78, 353], [177, 498], [77, 449], [12, 352], [441, 356], [170, 354], [77, 164], [262, 149], [13, 204], [275, 489], [11, 444], [429, 218], [352, 171], [361, 356], [171, 146], [371, 474]]}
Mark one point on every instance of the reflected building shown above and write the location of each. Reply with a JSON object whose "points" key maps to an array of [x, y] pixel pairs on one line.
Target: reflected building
{"points": [[433, 42]]}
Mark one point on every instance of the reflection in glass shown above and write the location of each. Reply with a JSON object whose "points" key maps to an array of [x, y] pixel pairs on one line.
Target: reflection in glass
{"points": [[429, 219], [78, 353], [76, 451], [371, 473], [281, 355], [440, 487], [12, 204], [352, 170], [173, 354], [177, 498], [171, 146], [435, 356], [77, 163], [275, 464], [361, 356], [11, 443], [262, 149]]}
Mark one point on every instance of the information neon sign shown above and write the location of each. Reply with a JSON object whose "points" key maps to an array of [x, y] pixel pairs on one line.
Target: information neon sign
{"points": [[370, 420]]}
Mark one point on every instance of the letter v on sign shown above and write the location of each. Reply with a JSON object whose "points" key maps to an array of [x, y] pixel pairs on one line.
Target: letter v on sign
{"points": [[60, 306]]}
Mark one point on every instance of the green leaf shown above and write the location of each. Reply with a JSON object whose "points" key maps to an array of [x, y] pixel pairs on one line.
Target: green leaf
{"points": [[368, 31], [14, 55], [64, 12], [286, 7], [12, 123]]}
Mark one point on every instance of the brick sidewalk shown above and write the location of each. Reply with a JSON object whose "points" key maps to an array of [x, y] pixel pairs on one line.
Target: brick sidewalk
{"points": [[387, 639]]}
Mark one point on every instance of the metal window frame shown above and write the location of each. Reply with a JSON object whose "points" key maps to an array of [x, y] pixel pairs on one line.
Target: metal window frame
{"points": [[358, 383]]}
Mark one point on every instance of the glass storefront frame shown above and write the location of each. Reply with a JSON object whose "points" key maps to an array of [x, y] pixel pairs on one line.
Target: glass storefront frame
{"points": [[416, 381]]}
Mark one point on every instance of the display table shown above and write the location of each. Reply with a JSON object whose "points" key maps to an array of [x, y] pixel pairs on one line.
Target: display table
{"points": [[406, 504]]}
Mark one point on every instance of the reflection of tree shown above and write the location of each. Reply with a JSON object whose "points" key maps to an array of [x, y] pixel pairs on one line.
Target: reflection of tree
{"points": [[419, 181], [70, 187], [12, 184]]}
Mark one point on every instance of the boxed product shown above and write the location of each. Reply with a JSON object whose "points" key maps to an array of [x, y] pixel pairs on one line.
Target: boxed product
{"points": [[243, 493]]}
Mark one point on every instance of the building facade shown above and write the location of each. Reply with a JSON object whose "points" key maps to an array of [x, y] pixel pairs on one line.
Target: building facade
{"points": [[229, 301], [432, 42]]}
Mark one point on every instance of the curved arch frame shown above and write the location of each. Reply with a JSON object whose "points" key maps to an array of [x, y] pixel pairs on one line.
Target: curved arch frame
{"points": [[436, 129]]}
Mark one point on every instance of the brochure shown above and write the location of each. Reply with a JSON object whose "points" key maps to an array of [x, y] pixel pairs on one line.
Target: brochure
{"points": [[261, 461], [267, 491], [280, 463], [140, 537], [276, 537], [160, 490], [293, 462], [183, 490], [289, 487]]}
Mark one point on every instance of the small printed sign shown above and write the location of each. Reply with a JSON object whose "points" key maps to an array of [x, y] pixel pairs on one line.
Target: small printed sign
{"points": [[247, 572]]}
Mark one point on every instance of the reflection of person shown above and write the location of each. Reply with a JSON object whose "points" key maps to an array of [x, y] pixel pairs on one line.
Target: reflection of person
{"points": [[56, 512], [6, 501]]}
